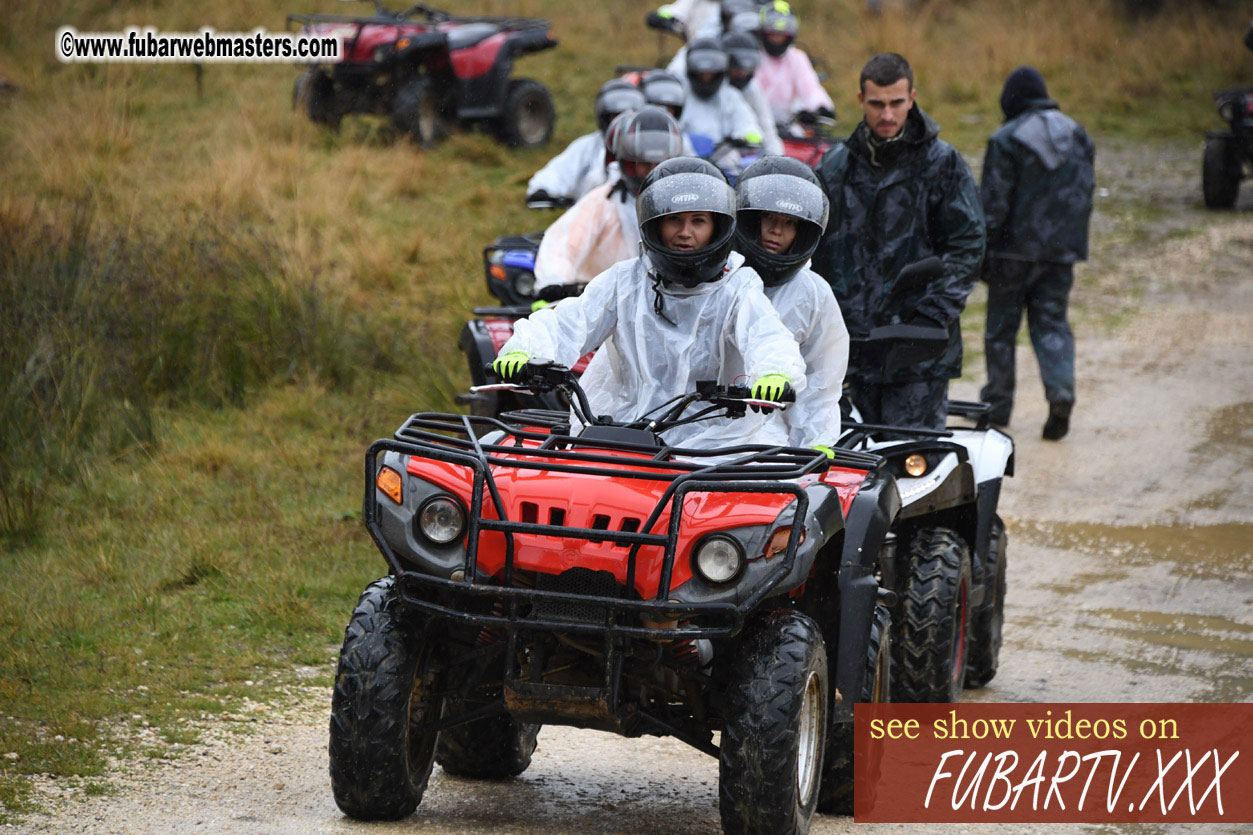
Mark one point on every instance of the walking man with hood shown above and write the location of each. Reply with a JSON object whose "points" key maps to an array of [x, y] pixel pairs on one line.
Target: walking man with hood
{"points": [[1037, 198], [899, 194]]}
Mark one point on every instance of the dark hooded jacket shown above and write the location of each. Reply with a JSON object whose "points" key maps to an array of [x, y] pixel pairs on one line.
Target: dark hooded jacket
{"points": [[893, 204], [1037, 186]]}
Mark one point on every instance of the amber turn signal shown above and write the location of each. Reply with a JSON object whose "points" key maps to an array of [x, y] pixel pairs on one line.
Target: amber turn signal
{"points": [[389, 481], [778, 541], [915, 465]]}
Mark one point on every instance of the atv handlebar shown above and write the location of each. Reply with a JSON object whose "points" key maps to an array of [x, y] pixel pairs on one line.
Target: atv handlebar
{"points": [[728, 401]]}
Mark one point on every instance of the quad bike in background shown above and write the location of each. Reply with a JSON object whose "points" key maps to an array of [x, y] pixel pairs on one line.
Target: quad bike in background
{"points": [[429, 72], [808, 136], [598, 578], [1229, 153], [945, 557]]}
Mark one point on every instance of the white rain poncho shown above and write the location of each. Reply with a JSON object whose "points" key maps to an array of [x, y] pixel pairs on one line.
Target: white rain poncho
{"points": [[594, 234], [575, 171], [727, 331], [696, 15], [808, 308], [724, 115]]}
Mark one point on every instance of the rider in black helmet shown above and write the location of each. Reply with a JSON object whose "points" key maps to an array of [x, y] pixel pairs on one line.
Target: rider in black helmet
{"points": [[781, 214]]}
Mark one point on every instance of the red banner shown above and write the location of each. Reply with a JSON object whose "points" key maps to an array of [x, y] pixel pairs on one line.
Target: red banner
{"points": [[1020, 763]]}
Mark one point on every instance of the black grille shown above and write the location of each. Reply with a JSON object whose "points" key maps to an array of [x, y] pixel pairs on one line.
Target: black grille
{"points": [[580, 581]]}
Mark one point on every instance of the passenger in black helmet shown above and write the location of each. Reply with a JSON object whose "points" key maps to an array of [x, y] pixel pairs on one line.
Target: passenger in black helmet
{"points": [[601, 228], [743, 59], [582, 165], [686, 310], [781, 214]]}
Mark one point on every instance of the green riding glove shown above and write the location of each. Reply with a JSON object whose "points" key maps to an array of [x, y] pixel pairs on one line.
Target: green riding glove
{"points": [[771, 387], [508, 365], [538, 304]]}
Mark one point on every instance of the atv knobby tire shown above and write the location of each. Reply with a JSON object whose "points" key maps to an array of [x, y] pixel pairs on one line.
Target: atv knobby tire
{"points": [[988, 618], [775, 715], [836, 795], [1220, 172], [314, 93], [383, 706], [491, 748], [929, 645], [416, 112], [526, 120]]}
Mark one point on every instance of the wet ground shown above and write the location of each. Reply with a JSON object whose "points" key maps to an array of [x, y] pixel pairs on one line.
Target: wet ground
{"points": [[1130, 553]]}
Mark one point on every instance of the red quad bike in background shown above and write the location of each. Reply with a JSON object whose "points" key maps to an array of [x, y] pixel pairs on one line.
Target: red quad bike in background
{"points": [[601, 579], [429, 71]]}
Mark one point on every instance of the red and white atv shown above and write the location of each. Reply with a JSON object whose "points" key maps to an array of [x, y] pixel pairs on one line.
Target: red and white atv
{"points": [[429, 71], [602, 579]]}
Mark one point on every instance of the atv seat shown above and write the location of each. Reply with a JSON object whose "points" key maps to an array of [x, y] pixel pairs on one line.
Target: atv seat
{"points": [[469, 34]]}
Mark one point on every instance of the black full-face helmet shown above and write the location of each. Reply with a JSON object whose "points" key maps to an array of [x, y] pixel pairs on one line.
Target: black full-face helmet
{"points": [[615, 97], [783, 186], [728, 9], [706, 66], [777, 18], [643, 139], [664, 89], [686, 184], [743, 57]]}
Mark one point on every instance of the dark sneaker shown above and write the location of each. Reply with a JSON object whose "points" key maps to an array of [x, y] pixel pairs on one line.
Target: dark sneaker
{"points": [[1058, 424]]}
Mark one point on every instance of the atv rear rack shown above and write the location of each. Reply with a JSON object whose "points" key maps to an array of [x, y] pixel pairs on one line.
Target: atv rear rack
{"points": [[464, 441]]}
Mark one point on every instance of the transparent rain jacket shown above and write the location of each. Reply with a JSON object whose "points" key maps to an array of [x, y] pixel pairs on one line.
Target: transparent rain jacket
{"points": [[594, 234], [724, 115], [726, 330], [575, 171], [808, 308]]}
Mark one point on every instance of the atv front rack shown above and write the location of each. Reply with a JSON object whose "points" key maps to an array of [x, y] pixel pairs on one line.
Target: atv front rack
{"points": [[483, 443]]}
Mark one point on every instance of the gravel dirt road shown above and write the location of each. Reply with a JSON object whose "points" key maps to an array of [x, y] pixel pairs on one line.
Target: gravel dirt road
{"points": [[1131, 562]]}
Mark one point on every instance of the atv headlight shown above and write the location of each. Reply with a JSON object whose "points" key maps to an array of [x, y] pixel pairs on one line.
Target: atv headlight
{"points": [[915, 465], [524, 283], [719, 559], [440, 519]]}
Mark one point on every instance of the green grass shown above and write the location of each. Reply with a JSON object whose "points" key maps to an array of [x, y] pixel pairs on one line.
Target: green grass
{"points": [[210, 307]]}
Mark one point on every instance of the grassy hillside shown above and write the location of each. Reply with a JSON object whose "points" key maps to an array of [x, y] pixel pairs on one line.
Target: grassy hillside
{"points": [[209, 307]]}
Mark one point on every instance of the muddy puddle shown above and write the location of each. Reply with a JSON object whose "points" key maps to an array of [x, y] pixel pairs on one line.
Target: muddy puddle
{"points": [[1128, 613]]}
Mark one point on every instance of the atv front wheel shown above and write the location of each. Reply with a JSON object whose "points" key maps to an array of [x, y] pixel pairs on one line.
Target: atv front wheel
{"points": [[836, 796], [491, 748], [775, 727], [526, 120], [989, 616], [314, 93], [1220, 172], [383, 709], [929, 645], [416, 112]]}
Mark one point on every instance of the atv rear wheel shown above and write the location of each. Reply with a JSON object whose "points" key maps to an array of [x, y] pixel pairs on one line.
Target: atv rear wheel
{"points": [[383, 709], [1220, 172], [929, 645], [526, 120], [314, 93], [836, 795], [988, 618], [775, 726], [491, 748], [416, 112]]}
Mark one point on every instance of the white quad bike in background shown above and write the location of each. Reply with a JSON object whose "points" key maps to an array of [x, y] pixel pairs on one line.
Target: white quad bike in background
{"points": [[945, 554]]}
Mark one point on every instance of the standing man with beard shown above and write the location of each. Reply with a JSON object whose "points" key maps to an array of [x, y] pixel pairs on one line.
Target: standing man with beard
{"points": [[898, 195]]}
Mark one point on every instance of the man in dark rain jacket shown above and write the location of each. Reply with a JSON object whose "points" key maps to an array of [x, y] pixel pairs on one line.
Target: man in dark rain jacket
{"points": [[898, 195], [1037, 198]]}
